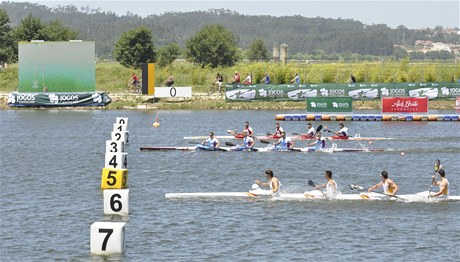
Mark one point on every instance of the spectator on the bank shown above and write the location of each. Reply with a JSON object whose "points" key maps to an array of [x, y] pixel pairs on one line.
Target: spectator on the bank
{"points": [[248, 80], [352, 79], [296, 79], [265, 79], [170, 81], [236, 78]]}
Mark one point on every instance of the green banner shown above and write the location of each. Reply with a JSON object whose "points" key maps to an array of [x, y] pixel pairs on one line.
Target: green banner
{"points": [[58, 99], [329, 104], [358, 91]]}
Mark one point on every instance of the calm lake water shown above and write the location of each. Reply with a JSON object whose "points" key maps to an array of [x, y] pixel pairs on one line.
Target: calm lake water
{"points": [[51, 172]]}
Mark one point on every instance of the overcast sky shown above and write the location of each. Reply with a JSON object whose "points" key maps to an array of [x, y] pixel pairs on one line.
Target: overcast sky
{"points": [[410, 13]]}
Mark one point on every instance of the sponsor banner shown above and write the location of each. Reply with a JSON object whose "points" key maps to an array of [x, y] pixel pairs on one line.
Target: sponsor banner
{"points": [[330, 104], [404, 105], [358, 91], [58, 99]]}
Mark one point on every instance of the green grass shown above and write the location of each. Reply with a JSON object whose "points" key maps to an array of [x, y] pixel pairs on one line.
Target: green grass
{"points": [[112, 77]]}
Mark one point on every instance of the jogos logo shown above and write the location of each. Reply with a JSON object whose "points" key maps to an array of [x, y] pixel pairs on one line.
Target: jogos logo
{"points": [[62, 98]]}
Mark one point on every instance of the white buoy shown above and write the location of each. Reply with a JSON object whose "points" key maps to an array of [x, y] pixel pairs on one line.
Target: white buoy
{"points": [[116, 160], [114, 146], [402, 153], [120, 136]]}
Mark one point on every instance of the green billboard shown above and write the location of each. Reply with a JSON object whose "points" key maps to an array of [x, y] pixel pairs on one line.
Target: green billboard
{"points": [[329, 104], [358, 91], [56, 66]]}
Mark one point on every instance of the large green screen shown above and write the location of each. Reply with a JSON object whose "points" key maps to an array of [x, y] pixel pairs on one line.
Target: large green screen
{"points": [[57, 67]]}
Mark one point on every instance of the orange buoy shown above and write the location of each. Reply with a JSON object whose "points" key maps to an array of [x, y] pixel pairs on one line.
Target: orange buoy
{"points": [[156, 123]]}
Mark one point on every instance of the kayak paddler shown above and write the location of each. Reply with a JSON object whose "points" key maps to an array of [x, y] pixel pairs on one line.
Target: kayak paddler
{"points": [[389, 186]]}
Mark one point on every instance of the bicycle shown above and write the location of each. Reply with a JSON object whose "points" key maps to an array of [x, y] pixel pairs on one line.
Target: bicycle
{"points": [[133, 88], [214, 88]]}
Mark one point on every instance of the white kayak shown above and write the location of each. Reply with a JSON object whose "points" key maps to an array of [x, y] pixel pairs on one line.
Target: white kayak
{"points": [[315, 195]]}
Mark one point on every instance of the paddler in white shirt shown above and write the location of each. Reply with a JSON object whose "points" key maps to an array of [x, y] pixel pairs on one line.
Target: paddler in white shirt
{"points": [[248, 129], [278, 130], [272, 182], [311, 131], [331, 185], [248, 142], [343, 131], [211, 143], [389, 186], [284, 142], [443, 184]]}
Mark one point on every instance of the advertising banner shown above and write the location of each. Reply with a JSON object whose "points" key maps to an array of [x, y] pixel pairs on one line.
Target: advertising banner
{"points": [[329, 104], [358, 91], [404, 105], [58, 99]]}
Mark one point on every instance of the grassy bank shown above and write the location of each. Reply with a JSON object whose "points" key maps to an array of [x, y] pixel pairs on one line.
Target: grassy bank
{"points": [[111, 77]]}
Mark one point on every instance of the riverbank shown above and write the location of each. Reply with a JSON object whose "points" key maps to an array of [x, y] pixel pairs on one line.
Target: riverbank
{"points": [[202, 101]]}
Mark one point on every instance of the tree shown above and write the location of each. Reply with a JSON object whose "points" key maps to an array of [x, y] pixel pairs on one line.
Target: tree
{"points": [[8, 44], [30, 29], [167, 54], [56, 31], [135, 47], [213, 45], [258, 51]]}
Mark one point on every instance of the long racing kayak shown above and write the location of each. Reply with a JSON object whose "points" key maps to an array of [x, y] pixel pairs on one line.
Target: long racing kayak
{"points": [[300, 137], [315, 195], [261, 149]]}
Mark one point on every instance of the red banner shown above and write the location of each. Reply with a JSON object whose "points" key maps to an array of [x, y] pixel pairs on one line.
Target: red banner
{"points": [[405, 105]]}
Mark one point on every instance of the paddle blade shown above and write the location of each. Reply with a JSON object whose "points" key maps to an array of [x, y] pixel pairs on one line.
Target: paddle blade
{"points": [[231, 132], [263, 141], [311, 183], [229, 144], [295, 134], [319, 128]]}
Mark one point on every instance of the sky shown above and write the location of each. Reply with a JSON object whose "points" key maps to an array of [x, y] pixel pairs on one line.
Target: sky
{"points": [[414, 14]]}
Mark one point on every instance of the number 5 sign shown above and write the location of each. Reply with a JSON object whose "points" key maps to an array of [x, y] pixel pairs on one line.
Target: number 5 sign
{"points": [[116, 202], [107, 238], [114, 178]]}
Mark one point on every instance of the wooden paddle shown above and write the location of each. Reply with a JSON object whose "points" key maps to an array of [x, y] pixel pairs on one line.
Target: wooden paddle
{"points": [[360, 188]]}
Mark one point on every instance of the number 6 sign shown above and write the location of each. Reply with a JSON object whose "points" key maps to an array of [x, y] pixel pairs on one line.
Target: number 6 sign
{"points": [[116, 202]]}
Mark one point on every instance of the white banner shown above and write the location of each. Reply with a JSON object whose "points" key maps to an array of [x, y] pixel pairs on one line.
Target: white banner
{"points": [[180, 91]]}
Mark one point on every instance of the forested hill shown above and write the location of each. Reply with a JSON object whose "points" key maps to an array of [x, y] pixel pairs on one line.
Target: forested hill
{"points": [[301, 34]]}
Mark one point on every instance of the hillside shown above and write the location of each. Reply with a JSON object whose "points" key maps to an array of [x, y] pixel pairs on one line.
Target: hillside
{"points": [[303, 35]]}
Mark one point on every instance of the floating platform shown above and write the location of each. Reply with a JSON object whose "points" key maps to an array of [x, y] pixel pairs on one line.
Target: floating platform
{"points": [[355, 117]]}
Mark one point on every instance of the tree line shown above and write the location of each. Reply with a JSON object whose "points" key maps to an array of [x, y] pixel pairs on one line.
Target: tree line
{"points": [[252, 36]]}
